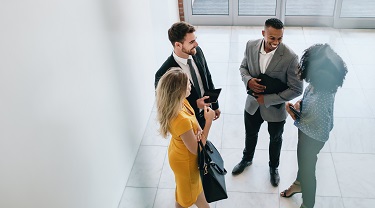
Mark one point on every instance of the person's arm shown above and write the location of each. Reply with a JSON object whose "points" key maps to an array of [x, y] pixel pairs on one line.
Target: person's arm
{"points": [[295, 86], [296, 106], [190, 139], [208, 77], [244, 67]]}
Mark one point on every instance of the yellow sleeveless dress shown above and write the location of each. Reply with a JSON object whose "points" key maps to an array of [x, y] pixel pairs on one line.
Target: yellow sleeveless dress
{"points": [[184, 164]]}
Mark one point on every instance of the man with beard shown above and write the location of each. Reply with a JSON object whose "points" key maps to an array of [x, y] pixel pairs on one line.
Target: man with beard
{"points": [[272, 60], [189, 57]]}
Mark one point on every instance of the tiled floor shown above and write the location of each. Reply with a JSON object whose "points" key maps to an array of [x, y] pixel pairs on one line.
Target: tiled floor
{"points": [[345, 169]]}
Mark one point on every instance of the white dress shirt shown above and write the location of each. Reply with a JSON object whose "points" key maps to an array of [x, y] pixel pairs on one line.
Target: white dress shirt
{"points": [[265, 58], [185, 67]]}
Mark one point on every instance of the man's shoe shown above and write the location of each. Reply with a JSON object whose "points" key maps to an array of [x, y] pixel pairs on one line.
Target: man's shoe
{"points": [[241, 166], [275, 178]]}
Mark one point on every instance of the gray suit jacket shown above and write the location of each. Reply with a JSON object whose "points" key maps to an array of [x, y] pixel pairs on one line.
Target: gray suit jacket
{"points": [[283, 66]]}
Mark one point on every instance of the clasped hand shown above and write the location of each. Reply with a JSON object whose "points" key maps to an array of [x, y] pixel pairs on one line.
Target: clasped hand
{"points": [[254, 85], [257, 88]]}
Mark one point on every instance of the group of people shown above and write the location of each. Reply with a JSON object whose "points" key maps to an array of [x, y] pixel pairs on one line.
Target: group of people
{"points": [[182, 111]]}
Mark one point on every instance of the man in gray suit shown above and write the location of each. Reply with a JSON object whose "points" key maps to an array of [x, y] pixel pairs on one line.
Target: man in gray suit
{"points": [[271, 58]]}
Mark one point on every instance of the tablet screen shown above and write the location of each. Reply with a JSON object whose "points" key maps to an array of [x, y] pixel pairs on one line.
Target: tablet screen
{"points": [[214, 95]]}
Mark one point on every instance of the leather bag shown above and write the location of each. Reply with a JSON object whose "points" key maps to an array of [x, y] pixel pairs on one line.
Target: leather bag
{"points": [[273, 85], [212, 172]]}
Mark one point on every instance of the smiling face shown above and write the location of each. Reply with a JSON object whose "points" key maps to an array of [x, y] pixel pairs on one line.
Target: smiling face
{"points": [[187, 47], [272, 38]]}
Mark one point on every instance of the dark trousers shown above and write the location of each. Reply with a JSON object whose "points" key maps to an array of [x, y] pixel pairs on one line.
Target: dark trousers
{"points": [[275, 129], [307, 151]]}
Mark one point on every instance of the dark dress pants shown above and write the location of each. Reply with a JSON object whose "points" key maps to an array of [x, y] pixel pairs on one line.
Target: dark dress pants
{"points": [[307, 151], [275, 129]]}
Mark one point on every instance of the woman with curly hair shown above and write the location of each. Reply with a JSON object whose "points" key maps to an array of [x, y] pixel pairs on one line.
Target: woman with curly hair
{"points": [[176, 116], [325, 71]]}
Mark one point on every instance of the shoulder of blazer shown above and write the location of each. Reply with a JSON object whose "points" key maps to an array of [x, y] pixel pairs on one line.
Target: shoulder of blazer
{"points": [[285, 50], [199, 50], [170, 62], [252, 43], [199, 53]]}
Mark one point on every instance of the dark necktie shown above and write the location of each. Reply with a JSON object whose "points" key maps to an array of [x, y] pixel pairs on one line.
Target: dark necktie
{"points": [[194, 77]]}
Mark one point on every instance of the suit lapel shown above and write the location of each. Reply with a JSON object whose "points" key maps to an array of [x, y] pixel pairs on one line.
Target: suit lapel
{"points": [[276, 58], [201, 71], [256, 57]]}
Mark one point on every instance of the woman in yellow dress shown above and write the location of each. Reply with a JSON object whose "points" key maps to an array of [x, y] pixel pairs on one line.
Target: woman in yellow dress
{"points": [[176, 116]]}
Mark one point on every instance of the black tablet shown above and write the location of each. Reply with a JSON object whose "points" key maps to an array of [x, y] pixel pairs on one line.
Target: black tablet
{"points": [[214, 95]]}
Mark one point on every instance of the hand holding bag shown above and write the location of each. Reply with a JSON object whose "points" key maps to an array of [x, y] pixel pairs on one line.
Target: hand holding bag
{"points": [[212, 172], [273, 85]]}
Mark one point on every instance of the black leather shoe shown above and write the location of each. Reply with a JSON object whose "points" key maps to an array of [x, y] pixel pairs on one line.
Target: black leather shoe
{"points": [[275, 178], [241, 166]]}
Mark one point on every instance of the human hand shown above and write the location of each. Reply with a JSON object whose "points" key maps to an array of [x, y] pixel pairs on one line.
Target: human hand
{"points": [[209, 114], [199, 135], [201, 104], [260, 98], [217, 114], [290, 112], [255, 86], [297, 105]]}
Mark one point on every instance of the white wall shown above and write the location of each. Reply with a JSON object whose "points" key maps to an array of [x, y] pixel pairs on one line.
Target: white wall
{"points": [[76, 92]]}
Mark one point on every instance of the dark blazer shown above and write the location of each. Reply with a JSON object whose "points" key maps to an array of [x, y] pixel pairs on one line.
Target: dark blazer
{"points": [[205, 74]]}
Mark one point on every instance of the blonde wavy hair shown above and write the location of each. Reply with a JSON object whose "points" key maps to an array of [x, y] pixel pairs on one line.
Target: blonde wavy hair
{"points": [[170, 93]]}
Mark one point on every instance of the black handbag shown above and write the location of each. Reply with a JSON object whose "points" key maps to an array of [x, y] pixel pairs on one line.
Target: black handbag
{"points": [[212, 172]]}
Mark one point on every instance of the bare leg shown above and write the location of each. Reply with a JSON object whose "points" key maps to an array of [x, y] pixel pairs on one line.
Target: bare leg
{"points": [[293, 189], [201, 201], [178, 205]]}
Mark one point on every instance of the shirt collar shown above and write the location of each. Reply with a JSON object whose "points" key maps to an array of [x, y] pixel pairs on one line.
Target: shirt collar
{"points": [[262, 51], [181, 60]]}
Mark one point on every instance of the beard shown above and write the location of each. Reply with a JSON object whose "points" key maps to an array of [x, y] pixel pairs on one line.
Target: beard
{"points": [[192, 51]]}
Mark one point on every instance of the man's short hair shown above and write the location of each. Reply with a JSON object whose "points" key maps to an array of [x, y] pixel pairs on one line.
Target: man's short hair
{"points": [[275, 23], [178, 31]]}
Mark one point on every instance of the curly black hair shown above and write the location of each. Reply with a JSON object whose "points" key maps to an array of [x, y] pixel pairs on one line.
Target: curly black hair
{"points": [[322, 67], [275, 23]]}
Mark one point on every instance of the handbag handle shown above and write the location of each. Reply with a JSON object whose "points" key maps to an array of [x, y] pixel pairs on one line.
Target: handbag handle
{"points": [[204, 159]]}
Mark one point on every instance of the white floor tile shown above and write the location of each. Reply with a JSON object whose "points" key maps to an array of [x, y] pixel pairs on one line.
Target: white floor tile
{"points": [[353, 135], [138, 198], [219, 73], [244, 34], [355, 174], [234, 77], [147, 166], [216, 34], [358, 202], [152, 135], [255, 178], [245, 200], [235, 100]]}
